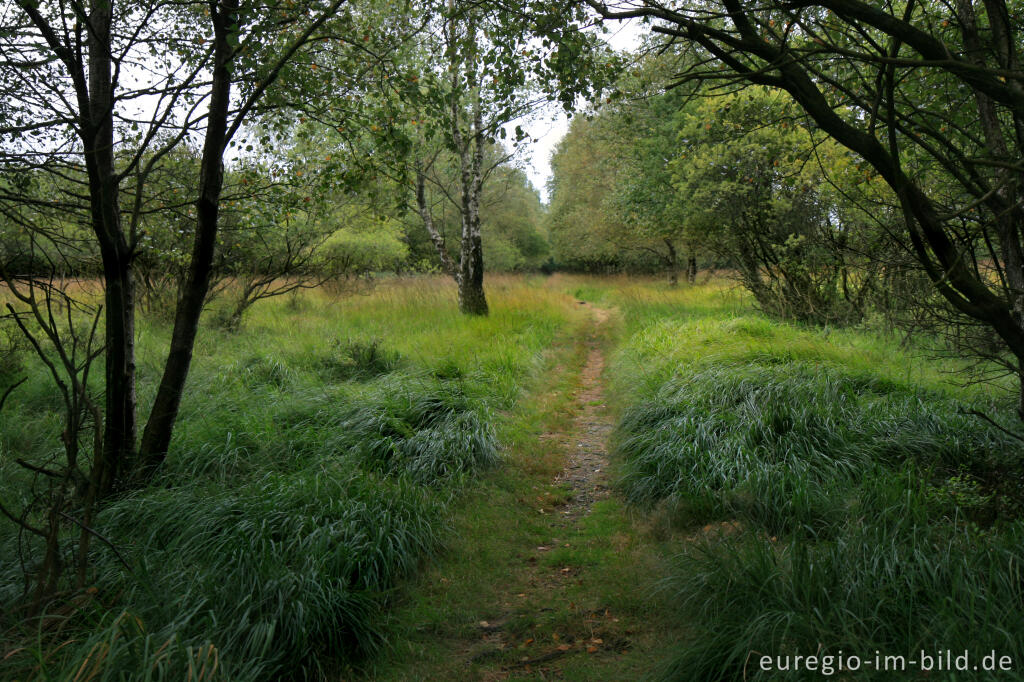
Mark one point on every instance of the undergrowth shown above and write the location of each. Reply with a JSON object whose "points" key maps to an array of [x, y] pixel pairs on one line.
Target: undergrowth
{"points": [[308, 477], [830, 493]]}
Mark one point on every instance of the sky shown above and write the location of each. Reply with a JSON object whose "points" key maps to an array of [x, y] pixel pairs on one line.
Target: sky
{"points": [[550, 126]]}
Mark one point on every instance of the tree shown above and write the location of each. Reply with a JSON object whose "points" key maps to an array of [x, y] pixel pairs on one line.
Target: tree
{"points": [[72, 80], [928, 95], [453, 117], [512, 218], [433, 118], [613, 204], [584, 234], [646, 199], [757, 187]]}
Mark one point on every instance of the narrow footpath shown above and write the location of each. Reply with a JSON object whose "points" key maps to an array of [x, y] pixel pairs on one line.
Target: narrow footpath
{"points": [[549, 586], [550, 577], [586, 443]]}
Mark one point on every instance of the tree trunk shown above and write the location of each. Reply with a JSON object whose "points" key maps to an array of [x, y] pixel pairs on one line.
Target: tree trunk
{"points": [[673, 264], [428, 222], [1020, 396], [119, 425], [691, 269], [157, 436], [472, 300], [96, 106]]}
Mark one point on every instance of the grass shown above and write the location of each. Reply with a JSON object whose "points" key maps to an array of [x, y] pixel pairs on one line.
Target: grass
{"points": [[787, 446], [517, 569], [357, 483], [315, 467], [826, 491]]}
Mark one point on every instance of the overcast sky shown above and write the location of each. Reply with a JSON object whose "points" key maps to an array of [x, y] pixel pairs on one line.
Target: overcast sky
{"points": [[548, 127]]}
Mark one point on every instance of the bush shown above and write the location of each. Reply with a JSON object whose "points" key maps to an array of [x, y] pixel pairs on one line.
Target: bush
{"points": [[360, 360]]}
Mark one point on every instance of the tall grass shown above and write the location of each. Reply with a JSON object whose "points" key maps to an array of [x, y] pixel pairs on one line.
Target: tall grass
{"points": [[280, 575], [786, 446], [433, 438], [833, 493], [898, 588], [314, 466]]}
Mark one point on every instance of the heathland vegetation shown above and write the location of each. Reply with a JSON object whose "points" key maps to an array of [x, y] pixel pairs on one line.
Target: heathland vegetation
{"points": [[357, 481], [745, 384]]}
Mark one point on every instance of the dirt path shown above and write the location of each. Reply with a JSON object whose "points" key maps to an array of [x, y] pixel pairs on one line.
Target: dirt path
{"points": [[586, 443], [551, 577], [554, 595]]}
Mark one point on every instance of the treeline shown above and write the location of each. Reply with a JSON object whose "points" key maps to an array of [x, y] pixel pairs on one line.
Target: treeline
{"points": [[669, 177], [277, 221], [286, 223], [675, 179]]}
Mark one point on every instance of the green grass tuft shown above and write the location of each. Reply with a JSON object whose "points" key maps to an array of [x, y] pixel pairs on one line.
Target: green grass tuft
{"points": [[432, 435], [786, 446]]}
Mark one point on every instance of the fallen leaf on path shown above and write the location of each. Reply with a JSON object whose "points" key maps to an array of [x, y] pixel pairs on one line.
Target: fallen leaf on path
{"points": [[591, 649]]}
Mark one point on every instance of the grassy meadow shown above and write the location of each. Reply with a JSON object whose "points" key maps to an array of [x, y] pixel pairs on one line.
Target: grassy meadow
{"points": [[353, 479], [316, 459], [828, 490]]}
